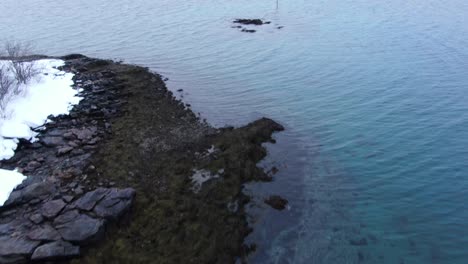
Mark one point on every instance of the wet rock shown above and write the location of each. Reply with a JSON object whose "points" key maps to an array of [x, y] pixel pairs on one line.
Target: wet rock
{"points": [[89, 200], [44, 233], [16, 249], [81, 230], [277, 202], [115, 204], [55, 251], [52, 208]]}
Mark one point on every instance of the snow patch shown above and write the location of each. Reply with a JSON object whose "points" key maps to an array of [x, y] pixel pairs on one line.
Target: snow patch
{"points": [[201, 176], [8, 182], [49, 94]]}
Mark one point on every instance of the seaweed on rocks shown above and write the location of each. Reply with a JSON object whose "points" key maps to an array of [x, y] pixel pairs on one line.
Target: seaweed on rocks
{"points": [[131, 144]]}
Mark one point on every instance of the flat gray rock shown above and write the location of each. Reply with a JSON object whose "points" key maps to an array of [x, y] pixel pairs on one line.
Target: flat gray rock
{"points": [[52, 141], [90, 199], [115, 204], [30, 192], [66, 217], [16, 249], [44, 233], [55, 251], [51, 209], [82, 229]]}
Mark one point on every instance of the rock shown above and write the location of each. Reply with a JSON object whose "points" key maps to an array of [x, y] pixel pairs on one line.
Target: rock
{"points": [[16, 249], [246, 21], [52, 141], [85, 133], [44, 233], [248, 30], [52, 208], [66, 217], [32, 165], [82, 229], [73, 144], [277, 202], [32, 191], [115, 204], [55, 251], [69, 135], [36, 218], [89, 200], [64, 150], [6, 229], [68, 198], [78, 190]]}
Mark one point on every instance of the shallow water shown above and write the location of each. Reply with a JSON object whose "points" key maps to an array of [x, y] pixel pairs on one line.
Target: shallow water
{"points": [[374, 96]]}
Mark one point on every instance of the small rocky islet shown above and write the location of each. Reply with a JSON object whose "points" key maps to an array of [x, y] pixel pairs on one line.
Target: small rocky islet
{"points": [[113, 181], [250, 22]]}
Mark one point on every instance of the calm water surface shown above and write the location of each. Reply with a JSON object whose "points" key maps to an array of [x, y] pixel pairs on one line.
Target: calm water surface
{"points": [[374, 95]]}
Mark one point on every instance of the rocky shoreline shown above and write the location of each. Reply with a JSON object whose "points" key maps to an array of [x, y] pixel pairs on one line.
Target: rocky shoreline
{"points": [[133, 172]]}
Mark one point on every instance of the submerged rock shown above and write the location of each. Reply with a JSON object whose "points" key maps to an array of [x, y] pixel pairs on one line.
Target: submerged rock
{"points": [[358, 242], [277, 202]]}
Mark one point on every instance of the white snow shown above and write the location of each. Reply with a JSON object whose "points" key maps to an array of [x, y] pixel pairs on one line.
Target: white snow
{"points": [[201, 176], [8, 182], [51, 93]]}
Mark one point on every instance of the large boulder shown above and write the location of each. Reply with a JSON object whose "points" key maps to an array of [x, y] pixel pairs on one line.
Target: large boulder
{"points": [[82, 230]]}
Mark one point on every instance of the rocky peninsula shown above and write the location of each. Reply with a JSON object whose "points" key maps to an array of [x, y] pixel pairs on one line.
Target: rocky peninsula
{"points": [[131, 175]]}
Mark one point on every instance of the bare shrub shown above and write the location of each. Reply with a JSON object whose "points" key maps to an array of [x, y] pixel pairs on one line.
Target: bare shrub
{"points": [[7, 86], [23, 69], [16, 71]]}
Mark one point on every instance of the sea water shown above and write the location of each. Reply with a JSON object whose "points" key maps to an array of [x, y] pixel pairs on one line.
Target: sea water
{"points": [[374, 96]]}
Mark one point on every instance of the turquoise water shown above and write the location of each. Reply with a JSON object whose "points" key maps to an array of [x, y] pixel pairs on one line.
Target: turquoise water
{"points": [[374, 96]]}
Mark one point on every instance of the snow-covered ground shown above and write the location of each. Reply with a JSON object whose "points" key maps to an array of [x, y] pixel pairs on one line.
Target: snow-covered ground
{"points": [[49, 93], [8, 181]]}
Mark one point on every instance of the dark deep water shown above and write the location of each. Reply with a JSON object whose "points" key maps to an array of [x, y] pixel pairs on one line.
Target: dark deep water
{"points": [[374, 95]]}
